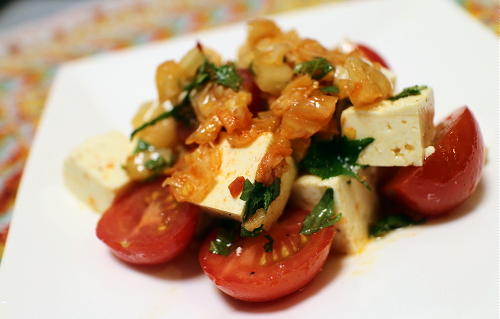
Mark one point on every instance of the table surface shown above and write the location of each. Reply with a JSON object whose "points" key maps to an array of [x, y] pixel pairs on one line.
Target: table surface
{"points": [[37, 36]]}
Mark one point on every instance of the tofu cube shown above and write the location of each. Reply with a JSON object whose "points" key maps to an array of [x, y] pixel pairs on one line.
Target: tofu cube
{"points": [[402, 129], [245, 162], [93, 171], [353, 200]]}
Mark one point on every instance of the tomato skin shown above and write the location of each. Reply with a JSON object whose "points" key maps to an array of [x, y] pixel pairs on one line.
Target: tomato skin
{"points": [[242, 277], [146, 226], [372, 55], [450, 175]]}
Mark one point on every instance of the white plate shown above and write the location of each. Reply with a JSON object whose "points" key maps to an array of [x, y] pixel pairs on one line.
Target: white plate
{"points": [[55, 267]]}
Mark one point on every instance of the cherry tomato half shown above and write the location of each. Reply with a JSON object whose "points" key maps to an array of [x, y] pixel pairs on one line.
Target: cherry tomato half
{"points": [[146, 225], [372, 55], [250, 273], [450, 175]]}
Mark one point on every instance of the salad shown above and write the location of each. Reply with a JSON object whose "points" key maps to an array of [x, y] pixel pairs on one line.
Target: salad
{"points": [[273, 161]]}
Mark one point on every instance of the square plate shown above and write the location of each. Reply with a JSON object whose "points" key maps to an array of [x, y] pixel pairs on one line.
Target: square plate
{"points": [[55, 267]]}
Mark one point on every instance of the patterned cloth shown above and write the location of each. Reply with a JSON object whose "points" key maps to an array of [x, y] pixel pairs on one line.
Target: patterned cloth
{"points": [[30, 55]]}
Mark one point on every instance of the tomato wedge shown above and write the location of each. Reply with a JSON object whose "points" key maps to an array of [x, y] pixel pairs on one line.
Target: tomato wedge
{"points": [[450, 175], [372, 55], [145, 225], [250, 273]]}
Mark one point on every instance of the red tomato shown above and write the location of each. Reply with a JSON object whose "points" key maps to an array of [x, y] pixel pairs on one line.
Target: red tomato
{"points": [[146, 225], [251, 274], [450, 175], [371, 55]]}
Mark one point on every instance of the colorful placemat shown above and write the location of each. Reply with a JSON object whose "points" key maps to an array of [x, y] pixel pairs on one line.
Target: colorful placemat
{"points": [[30, 55]]}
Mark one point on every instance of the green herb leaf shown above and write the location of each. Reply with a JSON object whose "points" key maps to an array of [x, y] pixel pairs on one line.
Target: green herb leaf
{"points": [[271, 192], [197, 82], [142, 146], [152, 122], [335, 157], [258, 196], [254, 233], [391, 222], [227, 76], [317, 68], [156, 165], [332, 89], [182, 112], [224, 240], [322, 215], [247, 190], [412, 90], [201, 77], [268, 247]]}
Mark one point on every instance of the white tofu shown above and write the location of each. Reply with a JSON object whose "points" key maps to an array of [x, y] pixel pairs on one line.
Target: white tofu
{"points": [[402, 129], [353, 200], [245, 162], [93, 171]]}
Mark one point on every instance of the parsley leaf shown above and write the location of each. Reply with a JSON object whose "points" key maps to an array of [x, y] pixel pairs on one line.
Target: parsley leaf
{"points": [[201, 77], [317, 68], [199, 80], [409, 91], [332, 89], [156, 165], [142, 146], [390, 222], [268, 247], [227, 76], [247, 190], [258, 196], [322, 215], [254, 233], [224, 240], [152, 122], [335, 157]]}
